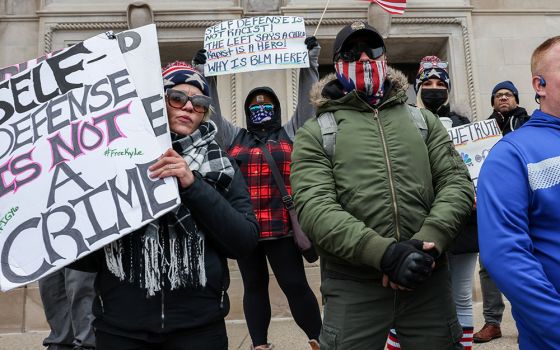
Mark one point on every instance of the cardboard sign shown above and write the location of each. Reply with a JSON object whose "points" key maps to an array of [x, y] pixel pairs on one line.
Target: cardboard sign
{"points": [[473, 142], [77, 134], [256, 43]]}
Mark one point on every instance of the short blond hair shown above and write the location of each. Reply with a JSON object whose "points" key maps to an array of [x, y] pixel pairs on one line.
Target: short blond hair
{"points": [[539, 53]]}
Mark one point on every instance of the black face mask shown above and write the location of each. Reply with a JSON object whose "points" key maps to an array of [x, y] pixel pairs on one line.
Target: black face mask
{"points": [[433, 98]]}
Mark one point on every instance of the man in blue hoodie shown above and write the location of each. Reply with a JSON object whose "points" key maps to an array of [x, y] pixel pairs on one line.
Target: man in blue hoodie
{"points": [[519, 210]]}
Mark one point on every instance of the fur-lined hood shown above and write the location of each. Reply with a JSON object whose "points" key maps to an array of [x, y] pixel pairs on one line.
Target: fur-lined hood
{"points": [[396, 81]]}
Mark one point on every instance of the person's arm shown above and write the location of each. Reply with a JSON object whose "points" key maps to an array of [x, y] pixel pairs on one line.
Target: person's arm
{"points": [[307, 78], [228, 221], [321, 216], [226, 129], [506, 248], [453, 189]]}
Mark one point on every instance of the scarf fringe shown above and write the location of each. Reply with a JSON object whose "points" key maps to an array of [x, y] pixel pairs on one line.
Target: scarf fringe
{"points": [[113, 258], [152, 274]]}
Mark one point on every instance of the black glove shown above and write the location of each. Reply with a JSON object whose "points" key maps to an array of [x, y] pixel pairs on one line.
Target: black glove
{"points": [[311, 42], [406, 264], [199, 57]]}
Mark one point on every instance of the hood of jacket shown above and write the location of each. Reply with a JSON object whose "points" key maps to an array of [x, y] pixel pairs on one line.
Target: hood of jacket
{"points": [[275, 122], [327, 95]]}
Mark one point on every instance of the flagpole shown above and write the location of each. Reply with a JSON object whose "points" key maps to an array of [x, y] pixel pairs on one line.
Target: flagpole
{"points": [[320, 19]]}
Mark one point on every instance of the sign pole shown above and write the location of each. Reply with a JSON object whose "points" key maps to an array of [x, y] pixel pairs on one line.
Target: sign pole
{"points": [[321, 19]]}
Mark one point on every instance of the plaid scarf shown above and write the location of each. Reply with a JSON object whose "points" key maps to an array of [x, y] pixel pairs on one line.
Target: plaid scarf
{"points": [[153, 253]]}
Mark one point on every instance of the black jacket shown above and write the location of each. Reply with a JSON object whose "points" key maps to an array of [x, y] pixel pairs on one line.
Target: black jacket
{"points": [[511, 120], [467, 240], [231, 231], [445, 112]]}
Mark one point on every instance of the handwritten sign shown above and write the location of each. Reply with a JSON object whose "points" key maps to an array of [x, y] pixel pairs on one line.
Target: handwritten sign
{"points": [[76, 139], [473, 142], [256, 43]]}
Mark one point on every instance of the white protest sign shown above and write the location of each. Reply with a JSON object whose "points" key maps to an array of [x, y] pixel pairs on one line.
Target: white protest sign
{"points": [[473, 142], [75, 145], [141, 54], [255, 43]]}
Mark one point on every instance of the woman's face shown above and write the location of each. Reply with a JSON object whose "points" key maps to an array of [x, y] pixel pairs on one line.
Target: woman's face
{"points": [[433, 83], [185, 120]]}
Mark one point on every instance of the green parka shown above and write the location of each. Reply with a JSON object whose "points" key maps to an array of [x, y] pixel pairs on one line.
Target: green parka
{"points": [[383, 184]]}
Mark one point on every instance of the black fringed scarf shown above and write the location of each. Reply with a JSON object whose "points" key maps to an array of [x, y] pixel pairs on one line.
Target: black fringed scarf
{"points": [[173, 245]]}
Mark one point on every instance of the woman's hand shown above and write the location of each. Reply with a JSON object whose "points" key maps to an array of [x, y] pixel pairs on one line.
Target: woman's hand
{"points": [[172, 164]]}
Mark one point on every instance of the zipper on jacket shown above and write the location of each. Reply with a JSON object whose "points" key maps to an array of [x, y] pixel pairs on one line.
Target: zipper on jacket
{"points": [[390, 170], [222, 298], [101, 302]]}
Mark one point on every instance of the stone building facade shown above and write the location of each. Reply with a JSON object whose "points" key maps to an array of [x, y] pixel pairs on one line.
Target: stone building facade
{"points": [[484, 41]]}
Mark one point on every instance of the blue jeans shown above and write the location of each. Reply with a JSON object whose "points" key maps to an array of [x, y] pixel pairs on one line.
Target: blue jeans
{"points": [[462, 272]]}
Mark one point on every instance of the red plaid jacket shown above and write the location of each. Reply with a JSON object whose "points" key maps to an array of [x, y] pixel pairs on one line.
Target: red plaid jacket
{"points": [[272, 216]]}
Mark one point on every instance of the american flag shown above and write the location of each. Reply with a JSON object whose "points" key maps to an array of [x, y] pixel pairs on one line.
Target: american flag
{"points": [[395, 7]]}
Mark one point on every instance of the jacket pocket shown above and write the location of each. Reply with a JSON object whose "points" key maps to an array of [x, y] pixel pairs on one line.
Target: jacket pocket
{"points": [[456, 159], [328, 337]]}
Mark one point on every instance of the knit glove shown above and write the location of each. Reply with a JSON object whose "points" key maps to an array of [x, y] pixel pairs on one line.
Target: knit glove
{"points": [[406, 264], [199, 57], [311, 42]]}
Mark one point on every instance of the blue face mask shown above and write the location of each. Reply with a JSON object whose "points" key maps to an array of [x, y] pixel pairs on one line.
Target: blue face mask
{"points": [[261, 113]]}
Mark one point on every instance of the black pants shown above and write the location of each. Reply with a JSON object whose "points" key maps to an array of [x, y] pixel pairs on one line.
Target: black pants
{"points": [[287, 265], [212, 337]]}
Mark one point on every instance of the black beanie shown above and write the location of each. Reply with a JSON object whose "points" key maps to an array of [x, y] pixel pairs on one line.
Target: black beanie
{"points": [[508, 85]]}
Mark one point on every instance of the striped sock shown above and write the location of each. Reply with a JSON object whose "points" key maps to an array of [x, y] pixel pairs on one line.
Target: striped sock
{"points": [[467, 338], [393, 341]]}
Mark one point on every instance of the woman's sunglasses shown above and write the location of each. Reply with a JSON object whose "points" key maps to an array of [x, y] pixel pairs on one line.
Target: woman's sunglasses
{"points": [[178, 99], [354, 53], [428, 65], [267, 107]]}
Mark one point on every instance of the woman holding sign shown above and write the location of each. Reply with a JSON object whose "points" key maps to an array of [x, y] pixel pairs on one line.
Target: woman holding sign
{"points": [[164, 285], [432, 88], [265, 129]]}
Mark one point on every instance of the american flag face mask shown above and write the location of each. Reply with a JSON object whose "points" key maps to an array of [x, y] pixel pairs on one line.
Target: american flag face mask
{"points": [[365, 76]]}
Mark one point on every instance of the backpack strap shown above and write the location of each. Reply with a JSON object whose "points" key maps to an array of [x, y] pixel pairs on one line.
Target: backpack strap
{"points": [[418, 119], [328, 126]]}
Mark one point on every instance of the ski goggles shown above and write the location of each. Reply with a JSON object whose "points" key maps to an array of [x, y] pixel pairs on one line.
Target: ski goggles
{"points": [[429, 65], [267, 107]]}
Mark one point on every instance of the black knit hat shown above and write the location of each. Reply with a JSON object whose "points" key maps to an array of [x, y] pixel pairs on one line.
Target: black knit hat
{"points": [[373, 37], [508, 85]]}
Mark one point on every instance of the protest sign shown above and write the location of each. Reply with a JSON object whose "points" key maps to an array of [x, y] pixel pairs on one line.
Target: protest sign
{"points": [[255, 43], [473, 142], [76, 139], [141, 54]]}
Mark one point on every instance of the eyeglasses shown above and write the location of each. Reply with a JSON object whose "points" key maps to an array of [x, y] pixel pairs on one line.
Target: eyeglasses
{"points": [[178, 99], [354, 53], [428, 65], [267, 107], [504, 94]]}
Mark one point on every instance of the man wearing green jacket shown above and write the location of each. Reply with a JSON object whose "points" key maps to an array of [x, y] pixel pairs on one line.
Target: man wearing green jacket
{"points": [[383, 208]]}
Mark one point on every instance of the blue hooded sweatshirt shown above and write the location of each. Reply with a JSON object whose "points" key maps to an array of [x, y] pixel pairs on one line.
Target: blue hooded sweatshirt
{"points": [[519, 227]]}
